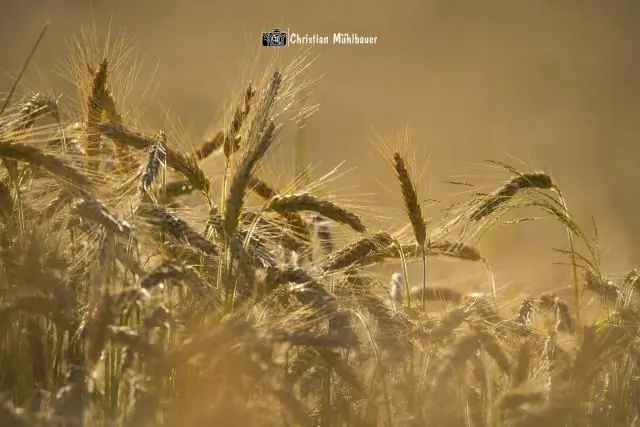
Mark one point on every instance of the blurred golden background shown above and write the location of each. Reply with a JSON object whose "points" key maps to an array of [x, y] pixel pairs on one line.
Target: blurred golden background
{"points": [[555, 84]]}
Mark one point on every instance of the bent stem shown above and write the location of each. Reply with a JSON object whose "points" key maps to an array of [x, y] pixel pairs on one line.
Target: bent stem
{"points": [[574, 269]]}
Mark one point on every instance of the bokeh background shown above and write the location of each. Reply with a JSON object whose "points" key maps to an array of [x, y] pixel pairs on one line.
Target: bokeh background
{"points": [[552, 83]]}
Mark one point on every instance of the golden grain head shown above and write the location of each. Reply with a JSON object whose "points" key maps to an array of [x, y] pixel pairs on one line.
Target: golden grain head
{"points": [[143, 286]]}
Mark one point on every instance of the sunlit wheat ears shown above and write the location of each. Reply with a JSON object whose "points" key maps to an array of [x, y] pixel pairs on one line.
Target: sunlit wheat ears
{"points": [[539, 180]]}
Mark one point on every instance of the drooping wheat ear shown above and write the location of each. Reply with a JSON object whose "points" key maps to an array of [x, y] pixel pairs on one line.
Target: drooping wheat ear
{"points": [[210, 146], [124, 135], [309, 202], [261, 188], [273, 231], [237, 190], [94, 115], [436, 294], [229, 140], [177, 227], [75, 181], [456, 250], [480, 304], [157, 158], [357, 251], [295, 220], [440, 248], [188, 166], [94, 211], [539, 180], [37, 106]]}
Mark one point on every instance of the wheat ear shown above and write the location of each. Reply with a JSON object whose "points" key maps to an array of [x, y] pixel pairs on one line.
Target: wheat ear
{"points": [[414, 211], [539, 180], [237, 190]]}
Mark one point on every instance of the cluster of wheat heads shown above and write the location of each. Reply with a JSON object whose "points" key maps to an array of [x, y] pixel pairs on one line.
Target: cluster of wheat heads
{"points": [[117, 308]]}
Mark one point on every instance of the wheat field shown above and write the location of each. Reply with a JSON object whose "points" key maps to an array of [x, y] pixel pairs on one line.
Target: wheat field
{"points": [[151, 281]]}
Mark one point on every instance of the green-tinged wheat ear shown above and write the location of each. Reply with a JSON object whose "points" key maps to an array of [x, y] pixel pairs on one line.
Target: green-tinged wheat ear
{"points": [[309, 202], [357, 251], [539, 180], [73, 180]]}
